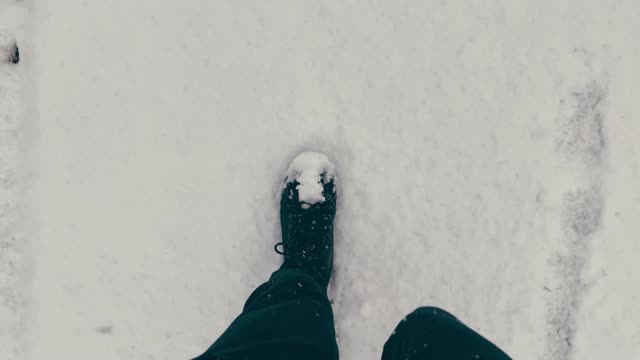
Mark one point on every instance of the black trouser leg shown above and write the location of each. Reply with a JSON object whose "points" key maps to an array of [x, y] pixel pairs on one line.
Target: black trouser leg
{"points": [[288, 317], [433, 334]]}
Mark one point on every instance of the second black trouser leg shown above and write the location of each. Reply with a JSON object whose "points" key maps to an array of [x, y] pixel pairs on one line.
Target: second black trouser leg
{"points": [[288, 317], [433, 334]]}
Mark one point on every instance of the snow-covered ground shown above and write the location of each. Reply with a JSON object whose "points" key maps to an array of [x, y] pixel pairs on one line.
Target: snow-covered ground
{"points": [[487, 154], [13, 241]]}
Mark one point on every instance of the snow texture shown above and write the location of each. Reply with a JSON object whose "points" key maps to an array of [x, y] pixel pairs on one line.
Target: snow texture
{"points": [[7, 46], [13, 273], [487, 152], [311, 170]]}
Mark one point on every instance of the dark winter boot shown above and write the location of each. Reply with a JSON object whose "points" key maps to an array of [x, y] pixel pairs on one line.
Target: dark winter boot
{"points": [[307, 210]]}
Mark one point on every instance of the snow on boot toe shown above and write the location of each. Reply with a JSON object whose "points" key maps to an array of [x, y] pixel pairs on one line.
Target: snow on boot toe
{"points": [[312, 171]]}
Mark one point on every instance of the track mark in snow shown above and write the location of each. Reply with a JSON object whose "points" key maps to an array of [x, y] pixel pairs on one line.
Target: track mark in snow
{"points": [[582, 137], [10, 249], [582, 144], [583, 212], [105, 330], [581, 218]]}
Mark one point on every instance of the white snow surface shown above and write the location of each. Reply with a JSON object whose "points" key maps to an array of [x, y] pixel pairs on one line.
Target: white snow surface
{"points": [[7, 45], [487, 151], [310, 170], [13, 244]]}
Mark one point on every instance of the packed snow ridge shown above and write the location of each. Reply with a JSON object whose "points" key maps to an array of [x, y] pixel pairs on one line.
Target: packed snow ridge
{"points": [[311, 170]]}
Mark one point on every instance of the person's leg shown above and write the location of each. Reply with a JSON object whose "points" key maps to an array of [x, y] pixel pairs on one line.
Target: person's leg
{"points": [[287, 317], [431, 333]]}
